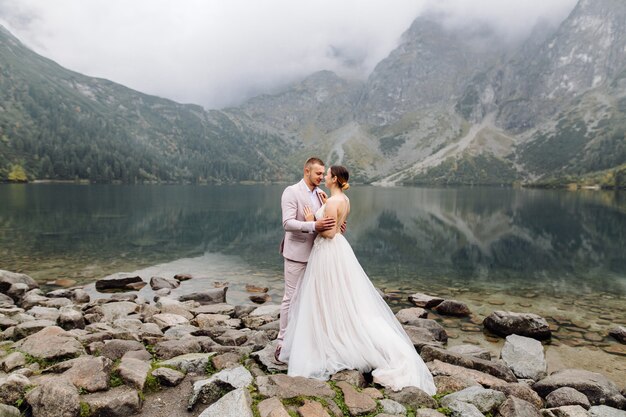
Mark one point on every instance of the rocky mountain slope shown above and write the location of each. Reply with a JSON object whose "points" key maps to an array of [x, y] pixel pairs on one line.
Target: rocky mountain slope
{"points": [[446, 106]]}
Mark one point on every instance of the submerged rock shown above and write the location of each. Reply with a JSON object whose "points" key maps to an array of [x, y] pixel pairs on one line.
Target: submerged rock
{"points": [[119, 282], [505, 323]]}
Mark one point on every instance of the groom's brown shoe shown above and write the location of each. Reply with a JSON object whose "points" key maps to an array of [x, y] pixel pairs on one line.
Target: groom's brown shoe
{"points": [[277, 355]]}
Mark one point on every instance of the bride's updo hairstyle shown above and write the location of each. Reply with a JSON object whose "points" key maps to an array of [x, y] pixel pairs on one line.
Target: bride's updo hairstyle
{"points": [[342, 175]]}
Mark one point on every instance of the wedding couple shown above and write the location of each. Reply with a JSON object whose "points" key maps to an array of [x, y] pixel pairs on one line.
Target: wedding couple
{"points": [[332, 318]]}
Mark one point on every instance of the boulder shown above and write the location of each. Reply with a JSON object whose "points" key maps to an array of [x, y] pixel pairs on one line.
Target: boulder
{"points": [[12, 360], [437, 331], [392, 407], [525, 357], [421, 337], [167, 320], [461, 409], [171, 348], [226, 309], [134, 372], [266, 358], [505, 323], [192, 362], [54, 398], [424, 300], [171, 306], [437, 368], [116, 310], [605, 411], [168, 377], [516, 407], [566, 396], [44, 313], [28, 328], [119, 282], [565, 411], [12, 388], [412, 397], [237, 403], [210, 296], [71, 319], [207, 391], [522, 391], [598, 388], [430, 353], [407, 315], [272, 407], [619, 333], [8, 278], [486, 400], [357, 402], [9, 411], [115, 349], [471, 350], [158, 283], [445, 383], [453, 308], [51, 343], [117, 402], [283, 386], [351, 376], [88, 373]]}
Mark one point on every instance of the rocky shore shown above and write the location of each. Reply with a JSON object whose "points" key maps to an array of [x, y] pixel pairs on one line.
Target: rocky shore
{"points": [[66, 353]]}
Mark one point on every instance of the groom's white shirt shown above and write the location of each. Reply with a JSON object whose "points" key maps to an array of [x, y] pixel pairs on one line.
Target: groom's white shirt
{"points": [[299, 233]]}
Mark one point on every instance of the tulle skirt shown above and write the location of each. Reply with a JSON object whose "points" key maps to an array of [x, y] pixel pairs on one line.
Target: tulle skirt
{"points": [[338, 321]]}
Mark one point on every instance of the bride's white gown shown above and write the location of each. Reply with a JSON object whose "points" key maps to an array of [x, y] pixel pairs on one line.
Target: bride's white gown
{"points": [[338, 320]]}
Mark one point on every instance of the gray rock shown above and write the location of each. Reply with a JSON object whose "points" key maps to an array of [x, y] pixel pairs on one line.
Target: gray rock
{"points": [[28, 328], [32, 298], [438, 368], [243, 310], [605, 411], [207, 391], [179, 331], [51, 343], [118, 402], [119, 281], [516, 407], [424, 412], [168, 377], [283, 386], [71, 319], [211, 296], [204, 321], [57, 302], [430, 353], [392, 407], [142, 355], [7, 301], [266, 358], [171, 306], [486, 400], [80, 296], [272, 310], [157, 283], [424, 300], [167, 320], [566, 396], [525, 357], [236, 403], [8, 278], [565, 411], [117, 310], [44, 313], [171, 348], [453, 308], [134, 372], [9, 411], [412, 397], [445, 383], [192, 362], [505, 323], [226, 309], [407, 315], [461, 409], [619, 333], [598, 388], [357, 402], [12, 360], [12, 388], [435, 329], [272, 407], [115, 349], [54, 398], [351, 376], [522, 391], [471, 350], [87, 372]]}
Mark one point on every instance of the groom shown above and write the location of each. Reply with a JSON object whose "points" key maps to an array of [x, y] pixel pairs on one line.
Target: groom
{"points": [[299, 234]]}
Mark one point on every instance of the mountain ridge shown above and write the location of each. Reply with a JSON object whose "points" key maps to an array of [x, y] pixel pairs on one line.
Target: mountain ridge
{"points": [[442, 108]]}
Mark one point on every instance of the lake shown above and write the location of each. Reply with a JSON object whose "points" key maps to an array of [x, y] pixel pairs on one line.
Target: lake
{"points": [[560, 254]]}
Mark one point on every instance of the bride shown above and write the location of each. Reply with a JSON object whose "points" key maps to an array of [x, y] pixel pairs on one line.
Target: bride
{"points": [[338, 320]]}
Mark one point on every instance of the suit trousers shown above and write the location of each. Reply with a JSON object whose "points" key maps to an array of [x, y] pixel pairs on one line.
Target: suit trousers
{"points": [[294, 271]]}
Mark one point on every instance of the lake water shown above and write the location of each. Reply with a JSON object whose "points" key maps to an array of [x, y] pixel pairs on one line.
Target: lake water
{"points": [[561, 254]]}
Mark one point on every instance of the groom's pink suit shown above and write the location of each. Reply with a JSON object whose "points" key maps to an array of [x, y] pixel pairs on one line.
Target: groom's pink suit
{"points": [[298, 241]]}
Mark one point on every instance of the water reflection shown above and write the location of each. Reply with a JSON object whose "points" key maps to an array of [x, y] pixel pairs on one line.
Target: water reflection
{"points": [[519, 240]]}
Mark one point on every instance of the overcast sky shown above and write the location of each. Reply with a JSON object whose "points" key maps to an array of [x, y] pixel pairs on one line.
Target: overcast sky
{"points": [[216, 53]]}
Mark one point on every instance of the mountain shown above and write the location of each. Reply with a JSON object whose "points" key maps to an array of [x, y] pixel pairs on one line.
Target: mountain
{"points": [[446, 106], [58, 124]]}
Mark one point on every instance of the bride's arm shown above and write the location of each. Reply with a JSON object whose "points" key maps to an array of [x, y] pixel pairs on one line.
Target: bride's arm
{"points": [[332, 206]]}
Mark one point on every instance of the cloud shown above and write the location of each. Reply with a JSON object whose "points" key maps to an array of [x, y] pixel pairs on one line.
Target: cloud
{"points": [[217, 53]]}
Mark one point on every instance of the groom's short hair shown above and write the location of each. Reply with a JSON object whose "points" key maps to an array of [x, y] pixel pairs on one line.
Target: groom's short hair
{"points": [[312, 161]]}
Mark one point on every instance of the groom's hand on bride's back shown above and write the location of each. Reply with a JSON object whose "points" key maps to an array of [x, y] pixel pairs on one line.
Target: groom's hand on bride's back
{"points": [[324, 224]]}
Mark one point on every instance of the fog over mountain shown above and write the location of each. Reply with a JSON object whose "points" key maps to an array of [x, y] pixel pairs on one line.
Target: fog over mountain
{"points": [[218, 53]]}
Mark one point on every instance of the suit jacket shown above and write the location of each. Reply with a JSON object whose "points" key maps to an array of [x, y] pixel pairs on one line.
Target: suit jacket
{"points": [[298, 239]]}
